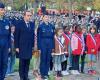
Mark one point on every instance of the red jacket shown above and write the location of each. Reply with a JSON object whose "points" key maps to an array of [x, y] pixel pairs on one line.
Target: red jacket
{"points": [[99, 42], [76, 44], [67, 39], [92, 43]]}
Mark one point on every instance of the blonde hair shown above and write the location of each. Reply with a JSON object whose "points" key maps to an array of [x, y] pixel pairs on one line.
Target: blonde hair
{"points": [[57, 30]]}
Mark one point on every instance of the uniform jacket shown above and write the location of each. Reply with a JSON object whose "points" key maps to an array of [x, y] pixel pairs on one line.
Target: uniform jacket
{"points": [[45, 36], [77, 44], [24, 39], [60, 46], [5, 33], [92, 43]]}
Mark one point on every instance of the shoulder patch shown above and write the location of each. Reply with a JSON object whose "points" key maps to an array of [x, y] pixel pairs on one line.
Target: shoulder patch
{"points": [[7, 27]]}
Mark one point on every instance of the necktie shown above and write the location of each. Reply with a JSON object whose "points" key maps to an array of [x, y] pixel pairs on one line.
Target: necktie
{"points": [[28, 25], [12, 37]]}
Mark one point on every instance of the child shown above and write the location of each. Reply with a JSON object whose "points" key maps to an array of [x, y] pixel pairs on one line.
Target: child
{"points": [[11, 58], [77, 49], [67, 40], [84, 33], [60, 51], [71, 30], [92, 45]]}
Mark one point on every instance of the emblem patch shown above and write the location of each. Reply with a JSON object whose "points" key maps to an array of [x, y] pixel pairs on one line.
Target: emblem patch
{"points": [[7, 27]]}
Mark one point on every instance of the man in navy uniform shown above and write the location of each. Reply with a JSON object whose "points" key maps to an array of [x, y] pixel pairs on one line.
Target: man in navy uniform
{"points": [[24, 42], [45, 41], [4, 42]]}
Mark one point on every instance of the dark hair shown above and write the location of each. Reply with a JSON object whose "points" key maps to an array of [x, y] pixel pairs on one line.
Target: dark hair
{"points": [[93, 27], [26, 12], [64, 27], [84, 28], [77, 28]]}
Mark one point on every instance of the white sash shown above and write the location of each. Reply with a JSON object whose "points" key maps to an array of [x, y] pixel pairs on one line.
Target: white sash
{"points": [[79, 38], [81, 42], [67, 36], [93, 39], [59, 42]]}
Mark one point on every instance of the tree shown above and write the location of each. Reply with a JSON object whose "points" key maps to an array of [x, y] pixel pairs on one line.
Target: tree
{"points": [[96, 4]]}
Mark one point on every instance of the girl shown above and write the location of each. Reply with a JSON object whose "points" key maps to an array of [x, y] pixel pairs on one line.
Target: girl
{"points": [[67, 40], [12, 56], [92, 45], [71, 30], [60, 51], [77, 49], [84, 33]]}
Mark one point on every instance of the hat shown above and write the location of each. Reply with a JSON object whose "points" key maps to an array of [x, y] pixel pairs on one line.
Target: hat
{"points": [[2, 5]]}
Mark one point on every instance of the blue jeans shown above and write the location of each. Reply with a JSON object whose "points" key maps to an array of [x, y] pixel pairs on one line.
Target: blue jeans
{"points": [[11, 62]]}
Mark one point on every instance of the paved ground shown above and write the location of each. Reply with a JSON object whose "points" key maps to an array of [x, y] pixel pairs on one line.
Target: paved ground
{"points": [[69, 77]]}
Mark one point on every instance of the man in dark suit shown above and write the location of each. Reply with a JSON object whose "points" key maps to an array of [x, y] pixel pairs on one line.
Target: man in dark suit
{"points": [[24, 42]]}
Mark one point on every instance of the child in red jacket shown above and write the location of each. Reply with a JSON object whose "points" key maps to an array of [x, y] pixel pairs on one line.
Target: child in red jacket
{"points": [[77, 49], [92, 46]]}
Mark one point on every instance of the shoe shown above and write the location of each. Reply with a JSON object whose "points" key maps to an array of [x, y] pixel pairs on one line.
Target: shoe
{"points": [[50, 72], [77, 72], [82, 72], [44, 78], [73, 72], [90, 72], [94, 72], [59, 74], [64, 73]]}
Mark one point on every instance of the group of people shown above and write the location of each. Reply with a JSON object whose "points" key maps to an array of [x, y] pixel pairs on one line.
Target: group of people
{"points": [[60, 48]]}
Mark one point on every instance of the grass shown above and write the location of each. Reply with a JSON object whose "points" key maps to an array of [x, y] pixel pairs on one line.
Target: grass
{"points": [[16, 66]]}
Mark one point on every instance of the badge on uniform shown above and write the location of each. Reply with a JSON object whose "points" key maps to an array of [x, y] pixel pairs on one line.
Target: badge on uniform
{"points": [[43, 30], [52, 30], [7, 27]]}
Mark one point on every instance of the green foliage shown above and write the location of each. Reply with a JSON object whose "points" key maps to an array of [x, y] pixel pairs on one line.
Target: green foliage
{"points": [[59, 4], [81, 8]]}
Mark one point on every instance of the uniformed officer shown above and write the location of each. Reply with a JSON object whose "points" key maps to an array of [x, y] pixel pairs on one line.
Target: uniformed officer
{"points": [[4, 42], [24, 42], [45, 41]]}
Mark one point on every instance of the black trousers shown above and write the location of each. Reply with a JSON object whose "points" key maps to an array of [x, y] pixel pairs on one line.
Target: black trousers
{"points": [[82, 62], [51, 64], [64, 65], [24, 68], [75, 62], [3, 61]]}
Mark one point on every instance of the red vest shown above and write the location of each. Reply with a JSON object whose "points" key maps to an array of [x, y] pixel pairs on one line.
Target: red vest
{"points": [[76, 44], [92, 43]]}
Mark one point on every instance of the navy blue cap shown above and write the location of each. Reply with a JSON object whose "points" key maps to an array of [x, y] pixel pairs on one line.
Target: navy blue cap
{"points": [[2, 5]]}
